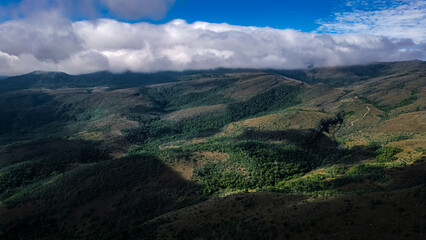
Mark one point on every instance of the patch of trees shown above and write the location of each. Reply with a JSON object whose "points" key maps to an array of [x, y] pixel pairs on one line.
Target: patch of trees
{"points": [[387, 108], [127, 179], [387, 154], [275, 99], [258, 165], [47, 164], [154, 129]]}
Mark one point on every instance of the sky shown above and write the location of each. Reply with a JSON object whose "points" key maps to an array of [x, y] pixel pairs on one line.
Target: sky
{"points": [[83, 36]]}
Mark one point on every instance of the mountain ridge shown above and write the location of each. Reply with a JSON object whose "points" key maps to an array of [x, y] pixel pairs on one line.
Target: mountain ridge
{"points": [[227, 154], [135, 79]]}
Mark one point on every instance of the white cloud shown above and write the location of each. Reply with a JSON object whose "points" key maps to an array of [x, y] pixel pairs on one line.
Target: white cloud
{"points": [[45, 36], [56, 44], [393, 19], [30, 8], [137, 9], [122, 9]]}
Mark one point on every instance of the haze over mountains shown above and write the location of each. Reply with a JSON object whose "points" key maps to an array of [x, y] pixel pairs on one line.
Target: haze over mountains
{"points": [[322, 153]]}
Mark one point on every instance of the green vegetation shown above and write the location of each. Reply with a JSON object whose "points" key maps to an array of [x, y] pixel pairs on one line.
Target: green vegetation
{"points": [[56, 80], [387, 154], [103, 179], [361, 172], [308, 184], [210, 97], [420, 149], [125, 184], [337, 77], [23, 112], [341, 177], [258, 165], [148, 132], [160, 130], [46, 164], [336, 171], [278, 98], [394, 138], [347, 115], [387, 108], [173, 98]]}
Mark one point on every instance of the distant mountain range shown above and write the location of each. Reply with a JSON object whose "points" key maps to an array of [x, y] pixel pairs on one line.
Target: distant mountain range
{"points": [[334, 76]]}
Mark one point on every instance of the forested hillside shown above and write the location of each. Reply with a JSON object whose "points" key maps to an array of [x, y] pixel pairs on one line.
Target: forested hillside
{"points": [[229, 153]]}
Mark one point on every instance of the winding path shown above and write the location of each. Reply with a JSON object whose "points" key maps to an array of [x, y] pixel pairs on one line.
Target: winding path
{"points": [[365, 114]]}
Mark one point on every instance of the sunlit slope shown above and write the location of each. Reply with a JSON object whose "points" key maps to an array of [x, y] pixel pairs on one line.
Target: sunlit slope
{"points": [[199, 154]]}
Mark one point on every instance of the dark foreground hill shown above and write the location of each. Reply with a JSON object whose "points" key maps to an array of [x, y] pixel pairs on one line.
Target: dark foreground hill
{"points": [[329, 153]]}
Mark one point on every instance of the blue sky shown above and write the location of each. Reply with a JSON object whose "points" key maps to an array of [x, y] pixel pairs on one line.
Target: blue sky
{"points": [[82, 36], [293, 14]]}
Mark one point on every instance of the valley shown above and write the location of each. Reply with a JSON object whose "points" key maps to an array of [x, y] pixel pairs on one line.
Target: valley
{"points": [[323, 153]]}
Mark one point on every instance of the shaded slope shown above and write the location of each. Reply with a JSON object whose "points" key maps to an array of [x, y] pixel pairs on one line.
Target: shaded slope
{"points": [[55, 80], [392, 214], [228, 135], [108, 198], [341, 76]]}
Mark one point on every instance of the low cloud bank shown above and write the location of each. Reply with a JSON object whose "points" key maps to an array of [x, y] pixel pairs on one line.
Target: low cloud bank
{"points": [[53, 43]]}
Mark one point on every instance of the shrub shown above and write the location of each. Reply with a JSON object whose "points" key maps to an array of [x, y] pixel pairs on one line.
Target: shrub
{"points": [[334, 171], [387, 154], [303, 185]]}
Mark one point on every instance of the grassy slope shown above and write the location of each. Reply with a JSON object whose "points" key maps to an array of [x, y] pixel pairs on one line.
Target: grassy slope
{"points": [[278, 135]]}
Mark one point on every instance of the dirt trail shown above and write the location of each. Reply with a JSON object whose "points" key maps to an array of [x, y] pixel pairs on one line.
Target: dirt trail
{"points": [[365, 114]]}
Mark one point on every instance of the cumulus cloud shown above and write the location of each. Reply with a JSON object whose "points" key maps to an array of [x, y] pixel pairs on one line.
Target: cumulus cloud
{"points": [[30, 8], [122, 9], [137, 9], [393, 19], [105, 44], [44, 36]]}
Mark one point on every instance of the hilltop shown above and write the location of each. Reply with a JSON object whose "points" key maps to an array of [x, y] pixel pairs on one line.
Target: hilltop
{"points": [[323, 153]]}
